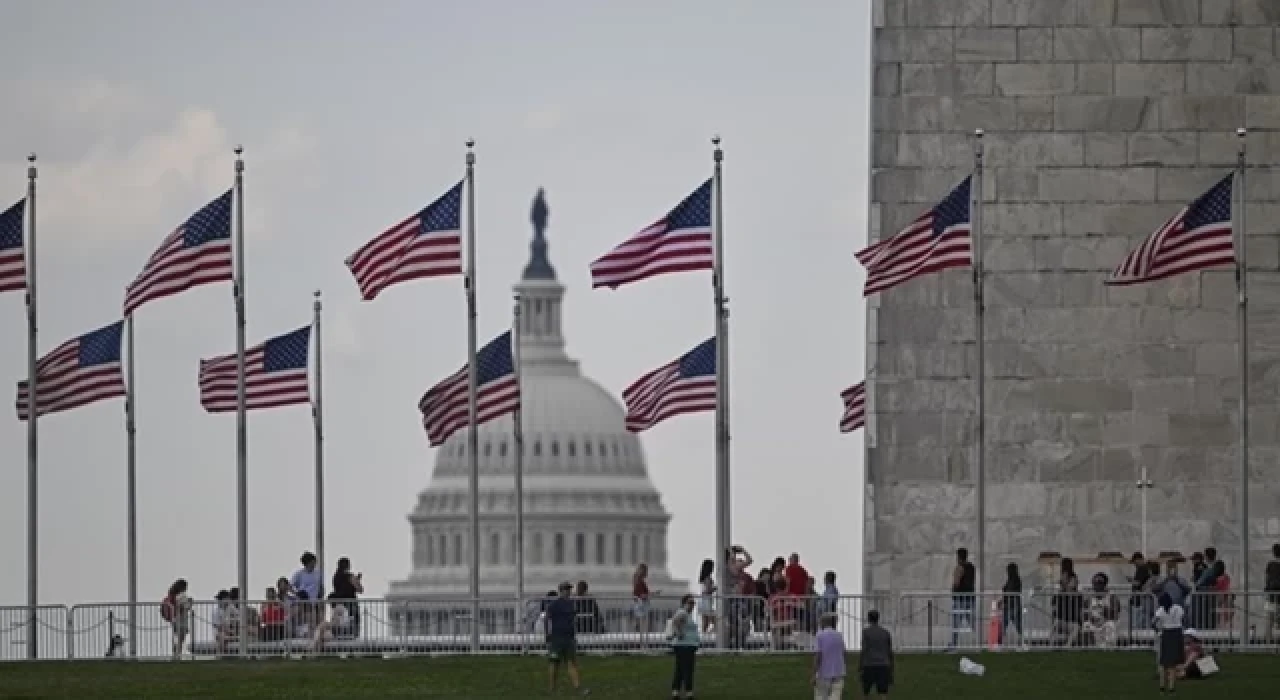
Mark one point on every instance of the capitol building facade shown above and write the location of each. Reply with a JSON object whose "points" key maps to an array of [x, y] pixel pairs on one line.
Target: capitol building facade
{"points": [[590, 511]]}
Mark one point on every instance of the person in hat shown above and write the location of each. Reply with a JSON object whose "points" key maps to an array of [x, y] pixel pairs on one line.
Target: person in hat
{"points": [[562, 641]]}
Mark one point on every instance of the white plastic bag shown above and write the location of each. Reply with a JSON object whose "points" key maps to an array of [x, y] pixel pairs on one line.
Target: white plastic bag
{"points": [[969, 668]]}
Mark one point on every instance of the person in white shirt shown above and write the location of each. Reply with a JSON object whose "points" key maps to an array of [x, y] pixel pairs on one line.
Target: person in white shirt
{"points": [[1168, 621]]}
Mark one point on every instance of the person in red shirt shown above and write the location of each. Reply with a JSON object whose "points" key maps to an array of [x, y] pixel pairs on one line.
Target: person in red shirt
{"points": [[797, 577]]}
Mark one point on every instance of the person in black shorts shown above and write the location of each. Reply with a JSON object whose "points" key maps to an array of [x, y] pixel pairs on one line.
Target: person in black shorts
{"points": [[876, 660], [562, 642]]}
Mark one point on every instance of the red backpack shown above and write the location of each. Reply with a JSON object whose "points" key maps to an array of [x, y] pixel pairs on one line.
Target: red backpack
{"points": [[167, 608]]}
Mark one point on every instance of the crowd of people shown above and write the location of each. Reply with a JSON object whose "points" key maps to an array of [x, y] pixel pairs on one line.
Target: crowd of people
{"points": [[297, 607], [781, 598]]}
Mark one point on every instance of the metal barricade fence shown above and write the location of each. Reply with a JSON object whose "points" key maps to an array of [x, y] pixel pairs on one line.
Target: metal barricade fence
{"points": [[923, 621], [51, 638]]}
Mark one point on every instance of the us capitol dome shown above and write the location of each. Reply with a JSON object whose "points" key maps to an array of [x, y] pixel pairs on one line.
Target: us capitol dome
{"points": [[590, 511]]}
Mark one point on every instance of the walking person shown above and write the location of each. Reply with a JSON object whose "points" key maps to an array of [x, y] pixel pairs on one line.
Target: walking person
{"points": [[176, 610], [828, 661], [1168, 620], [707, 603], [562, 640], [685, 640], [876, 661]]}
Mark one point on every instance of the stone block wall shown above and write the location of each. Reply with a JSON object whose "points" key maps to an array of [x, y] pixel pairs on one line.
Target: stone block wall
{"points": [[1102, 119]]}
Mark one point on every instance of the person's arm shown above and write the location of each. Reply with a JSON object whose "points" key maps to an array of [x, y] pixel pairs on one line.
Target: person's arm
{"points": [[358, 582], [817, 664], [889, 637]]}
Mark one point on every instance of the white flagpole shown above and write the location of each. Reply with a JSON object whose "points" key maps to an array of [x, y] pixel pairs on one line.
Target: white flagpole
{"points": [[33, 433], [242, 443], [979, 304], [517, 329], [724, 536], [317, 417], [131, 483], [1242, 321], [473, 437]]}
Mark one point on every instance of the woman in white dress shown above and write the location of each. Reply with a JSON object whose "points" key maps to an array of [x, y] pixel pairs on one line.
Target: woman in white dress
{"points": [[707, 601], [1168, 622]]}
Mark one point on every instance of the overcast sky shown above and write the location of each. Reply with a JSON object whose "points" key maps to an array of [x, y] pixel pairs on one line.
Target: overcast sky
{"points": [[353, 116]]}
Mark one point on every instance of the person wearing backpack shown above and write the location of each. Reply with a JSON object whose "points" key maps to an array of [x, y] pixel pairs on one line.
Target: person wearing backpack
{"points": [[176, 610]]}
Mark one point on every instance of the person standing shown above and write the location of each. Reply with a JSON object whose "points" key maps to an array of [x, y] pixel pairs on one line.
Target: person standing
{"points": [[562, 640], [346, 586], [1168, 620], [1011, 605], [828, 660], [1271, 585], [707, 603], [963, 586], [876, 660], [685, 640]]}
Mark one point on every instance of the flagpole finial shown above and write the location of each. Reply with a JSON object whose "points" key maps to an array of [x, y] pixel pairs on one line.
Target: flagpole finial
{"points": [[31, 166], [718, 155], [316, 294], [31, 157], [471, 156]]}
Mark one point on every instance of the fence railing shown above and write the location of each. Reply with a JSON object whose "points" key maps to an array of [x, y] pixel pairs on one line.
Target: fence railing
{"points": [[919, 621]]}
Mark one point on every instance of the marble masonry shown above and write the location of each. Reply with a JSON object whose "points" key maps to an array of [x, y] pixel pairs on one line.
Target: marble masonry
{"points": [[1103, 118]]}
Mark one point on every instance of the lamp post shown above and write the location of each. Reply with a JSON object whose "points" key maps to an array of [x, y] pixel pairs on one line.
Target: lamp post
{"points": [[1144, 485]]}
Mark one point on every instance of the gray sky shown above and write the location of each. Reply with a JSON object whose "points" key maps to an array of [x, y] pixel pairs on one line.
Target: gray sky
{"points": [[351, 120]]}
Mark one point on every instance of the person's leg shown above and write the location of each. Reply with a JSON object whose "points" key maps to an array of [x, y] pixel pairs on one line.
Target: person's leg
{"points": [[690, 668], [575, 676], [553, 669], [677, 672]]}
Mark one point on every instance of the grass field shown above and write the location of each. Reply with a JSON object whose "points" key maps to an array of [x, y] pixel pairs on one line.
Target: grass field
{"points": [[1038, 676]]}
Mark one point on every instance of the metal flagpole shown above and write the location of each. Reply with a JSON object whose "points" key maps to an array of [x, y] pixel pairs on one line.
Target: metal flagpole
{"points": [[317, 417], [473, 438], [33, 439], [131, 483], [724, 537], [242, 446], [979, 314], [519, 466], [1242, 321]]}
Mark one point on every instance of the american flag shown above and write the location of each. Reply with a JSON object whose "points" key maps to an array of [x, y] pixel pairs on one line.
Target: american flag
{"points": [[1198, 237], [678, 242], [936, 240], [13, 267], [197, 252], [444, 406], [427, 244], [275, 374], [687, 385], [855, 404], [78, 372]]}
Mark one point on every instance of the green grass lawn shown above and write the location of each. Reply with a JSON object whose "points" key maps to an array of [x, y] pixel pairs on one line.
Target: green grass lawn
{"points": [[1035, 676]]}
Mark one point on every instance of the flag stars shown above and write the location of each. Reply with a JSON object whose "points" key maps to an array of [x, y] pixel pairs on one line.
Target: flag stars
{"points": [[444, 214], [210, 223]]}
